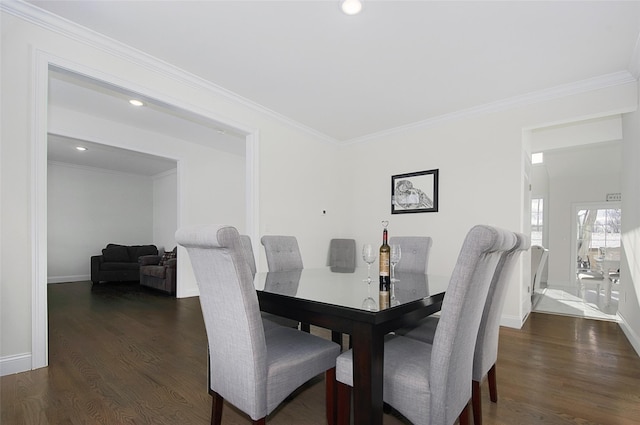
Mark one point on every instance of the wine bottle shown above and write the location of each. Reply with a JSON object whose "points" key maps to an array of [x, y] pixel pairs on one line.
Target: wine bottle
{"points": [[385, 279]]}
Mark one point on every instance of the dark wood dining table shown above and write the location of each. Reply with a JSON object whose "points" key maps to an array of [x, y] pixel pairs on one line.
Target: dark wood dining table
{"points": [[334, 300]]}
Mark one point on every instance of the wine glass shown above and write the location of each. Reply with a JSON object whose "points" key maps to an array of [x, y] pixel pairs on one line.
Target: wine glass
{"points": [[369, 303], [393, 301], [369, 256], [394, 259]]}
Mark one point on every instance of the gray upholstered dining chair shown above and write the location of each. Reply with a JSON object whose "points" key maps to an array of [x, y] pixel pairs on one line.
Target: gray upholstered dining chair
{"points": [[431, 383], [251, 367], [486, 349], [268, 318], [282, 253], [342, 259], [342, 255], [415, 253], [247, 250]]}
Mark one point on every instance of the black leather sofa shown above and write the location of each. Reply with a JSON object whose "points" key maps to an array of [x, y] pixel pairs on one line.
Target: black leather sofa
{"points": [[119, 263]]}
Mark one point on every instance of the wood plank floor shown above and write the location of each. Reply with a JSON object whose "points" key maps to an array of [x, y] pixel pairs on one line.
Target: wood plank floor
{"points": [[123, 354]]}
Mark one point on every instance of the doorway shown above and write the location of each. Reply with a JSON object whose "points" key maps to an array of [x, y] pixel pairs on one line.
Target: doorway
{"points": [[593, 291], [45, 63], [597, 242]]}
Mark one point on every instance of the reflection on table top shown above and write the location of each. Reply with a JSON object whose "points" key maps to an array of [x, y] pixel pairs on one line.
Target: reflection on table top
{"points": [[347, 289]]}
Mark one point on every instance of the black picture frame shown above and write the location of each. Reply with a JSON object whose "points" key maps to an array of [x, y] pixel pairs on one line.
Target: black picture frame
{"points": [[414, 192]]}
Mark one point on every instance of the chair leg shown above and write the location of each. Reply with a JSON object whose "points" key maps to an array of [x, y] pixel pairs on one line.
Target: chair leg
{"points": [[493, 388], [344, 403], [216, 408], [330, 396], [463, 419], [305, 327], [262, 421], [476, 402]]}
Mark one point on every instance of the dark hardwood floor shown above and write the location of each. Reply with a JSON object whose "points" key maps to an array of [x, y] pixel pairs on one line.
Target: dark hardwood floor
{"points": [[122, 354]]}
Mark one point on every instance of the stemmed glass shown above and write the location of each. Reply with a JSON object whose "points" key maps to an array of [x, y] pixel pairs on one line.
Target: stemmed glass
{"points": [[394, 259], [369, 256]]}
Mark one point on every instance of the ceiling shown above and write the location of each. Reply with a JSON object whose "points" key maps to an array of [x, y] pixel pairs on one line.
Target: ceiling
{"points": [[82, 95], [396, 64], [63, 150]]}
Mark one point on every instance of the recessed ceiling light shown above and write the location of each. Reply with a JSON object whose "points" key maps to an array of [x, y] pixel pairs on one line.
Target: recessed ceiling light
{"points": [[81, 148], [136, 102], [351, 7]]}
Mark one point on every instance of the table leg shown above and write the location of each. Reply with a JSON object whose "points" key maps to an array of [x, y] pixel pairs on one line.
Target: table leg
{"points": [[368, 362]]}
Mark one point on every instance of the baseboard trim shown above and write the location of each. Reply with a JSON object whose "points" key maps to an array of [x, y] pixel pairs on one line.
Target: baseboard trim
{"points": [[189, 293], [633, 337], [75, 278], [511, 322], [15, 364]]}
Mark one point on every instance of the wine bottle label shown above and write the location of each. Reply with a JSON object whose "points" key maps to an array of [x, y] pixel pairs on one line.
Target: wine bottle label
{"points": [[384, 264], [384, 300]]}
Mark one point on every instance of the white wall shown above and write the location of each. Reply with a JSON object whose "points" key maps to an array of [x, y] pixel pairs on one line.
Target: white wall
{"points": [[297, 181], [580, 185], [292, 174], [165, 209], [210, 178], [629, 303], [481, 177], [297, 173], [89, 208]]}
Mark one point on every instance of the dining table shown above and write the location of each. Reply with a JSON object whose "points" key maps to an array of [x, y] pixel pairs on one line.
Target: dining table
{"points": [[345, 302]]}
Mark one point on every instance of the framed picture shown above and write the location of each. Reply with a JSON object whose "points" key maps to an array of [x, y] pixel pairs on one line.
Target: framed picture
{"points": [[414, 192]]}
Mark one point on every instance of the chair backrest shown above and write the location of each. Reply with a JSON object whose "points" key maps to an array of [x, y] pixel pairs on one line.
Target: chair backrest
{"points": [[284, 282], [282, 253], [486, 352], [454, 341], [415, 253], [342, 255], [237, 347], [247, 250]]}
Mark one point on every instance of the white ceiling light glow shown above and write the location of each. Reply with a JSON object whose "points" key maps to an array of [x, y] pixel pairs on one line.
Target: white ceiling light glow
{"points": [[81, 148], [351, 7], [136, 102], [537, 158]]}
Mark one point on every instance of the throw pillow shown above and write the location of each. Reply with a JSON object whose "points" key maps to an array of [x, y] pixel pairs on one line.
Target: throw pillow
{"points": [[116, 254], [167, 256], [137, 251]]}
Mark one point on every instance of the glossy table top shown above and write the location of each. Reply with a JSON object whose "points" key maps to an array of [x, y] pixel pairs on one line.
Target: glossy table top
{"points": [[348, 289], [334, 301]]}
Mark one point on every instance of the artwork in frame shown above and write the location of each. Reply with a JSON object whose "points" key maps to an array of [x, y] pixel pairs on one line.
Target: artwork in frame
{"points": [[414, 192]]}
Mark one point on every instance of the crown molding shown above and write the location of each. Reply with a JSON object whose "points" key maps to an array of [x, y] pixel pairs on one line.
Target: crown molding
{"points": [[76, 32], [578, 87], [113, 47]]}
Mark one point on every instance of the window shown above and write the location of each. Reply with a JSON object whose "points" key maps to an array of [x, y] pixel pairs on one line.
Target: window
{"points": [[537, 213], [598, 235], [537, 158]]}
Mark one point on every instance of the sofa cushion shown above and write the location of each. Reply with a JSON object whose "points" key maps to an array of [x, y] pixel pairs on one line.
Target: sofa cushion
{"points": [[149, 260], [155, 271], [119, 266], [115, 254], [136, 251]]}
